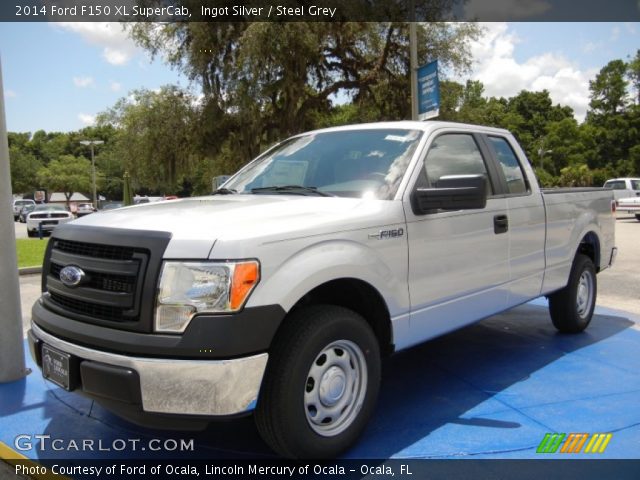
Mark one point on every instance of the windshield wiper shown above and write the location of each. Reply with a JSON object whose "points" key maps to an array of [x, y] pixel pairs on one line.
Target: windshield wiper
{"points": [[224, 191], [295, 189]]}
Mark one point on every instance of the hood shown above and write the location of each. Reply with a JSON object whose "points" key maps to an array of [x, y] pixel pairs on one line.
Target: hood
{"points": [[201, 221]]}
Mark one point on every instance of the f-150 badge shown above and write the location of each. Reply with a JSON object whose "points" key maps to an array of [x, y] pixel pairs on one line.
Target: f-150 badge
{"points": [[385, 234]]}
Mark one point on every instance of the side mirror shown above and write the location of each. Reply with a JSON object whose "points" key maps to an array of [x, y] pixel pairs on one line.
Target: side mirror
{"points": [[452, 192]]}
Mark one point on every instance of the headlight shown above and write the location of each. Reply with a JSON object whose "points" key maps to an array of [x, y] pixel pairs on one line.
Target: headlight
{"points": [[188, 288]]}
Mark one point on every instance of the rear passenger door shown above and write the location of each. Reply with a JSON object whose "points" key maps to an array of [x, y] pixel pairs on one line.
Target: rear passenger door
{"points": [[526, 219], [458, 260]]}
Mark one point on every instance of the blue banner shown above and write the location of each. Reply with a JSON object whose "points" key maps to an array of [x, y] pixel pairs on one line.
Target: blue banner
{"points": [[428, 91]]}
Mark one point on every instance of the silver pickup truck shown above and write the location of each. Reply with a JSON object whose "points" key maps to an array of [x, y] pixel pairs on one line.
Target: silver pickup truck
{"points": [[280, 294]]}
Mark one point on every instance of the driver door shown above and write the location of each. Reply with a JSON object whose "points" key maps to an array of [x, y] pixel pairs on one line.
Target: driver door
{"points": [[458, 260]]}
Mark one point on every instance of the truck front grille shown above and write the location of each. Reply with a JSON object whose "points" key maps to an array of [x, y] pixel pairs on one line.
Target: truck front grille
{"points": [[87, 309], [103, 281], [121, 269], [110, 291], [113, 252]]}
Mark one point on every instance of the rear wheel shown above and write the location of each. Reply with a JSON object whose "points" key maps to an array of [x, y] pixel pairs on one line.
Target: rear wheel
{"points": [[638, 216], [572, 307], [321, 383]]}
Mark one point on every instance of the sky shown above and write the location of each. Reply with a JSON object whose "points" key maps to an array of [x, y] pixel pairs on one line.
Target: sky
{"points": [[58, 76]]}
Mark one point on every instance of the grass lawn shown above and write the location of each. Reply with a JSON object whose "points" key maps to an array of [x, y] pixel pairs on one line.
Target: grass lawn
{"points": [[30, 251]]}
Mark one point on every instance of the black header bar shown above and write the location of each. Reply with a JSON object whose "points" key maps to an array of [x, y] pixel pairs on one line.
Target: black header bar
{"points": [[317, 10]]}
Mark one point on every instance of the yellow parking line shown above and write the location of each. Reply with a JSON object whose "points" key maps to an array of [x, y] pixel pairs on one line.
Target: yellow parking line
{"points": [[13, 458]]}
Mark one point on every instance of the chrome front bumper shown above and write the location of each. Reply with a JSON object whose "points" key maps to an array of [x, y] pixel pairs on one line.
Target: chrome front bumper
{"points": [[188, 387]]}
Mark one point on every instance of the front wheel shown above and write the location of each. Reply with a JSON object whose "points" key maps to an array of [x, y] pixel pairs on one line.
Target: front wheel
{"points": [[638, 216], [572, 307], [321, 383]]}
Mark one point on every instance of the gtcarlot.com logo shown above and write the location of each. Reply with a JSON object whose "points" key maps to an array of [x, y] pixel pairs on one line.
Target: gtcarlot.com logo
{"points": [[25, 442], [574, 443]]}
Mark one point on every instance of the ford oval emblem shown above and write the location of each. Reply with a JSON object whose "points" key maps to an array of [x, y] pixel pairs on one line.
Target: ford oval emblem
{"points": [[71, 276]]}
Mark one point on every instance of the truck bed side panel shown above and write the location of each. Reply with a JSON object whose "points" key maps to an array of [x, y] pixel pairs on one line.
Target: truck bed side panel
{"points": [[571, 215]]}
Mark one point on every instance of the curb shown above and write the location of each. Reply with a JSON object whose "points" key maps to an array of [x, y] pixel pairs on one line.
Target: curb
{"points": [[29, 270]]}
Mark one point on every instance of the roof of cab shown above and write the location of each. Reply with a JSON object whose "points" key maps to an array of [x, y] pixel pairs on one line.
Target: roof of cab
{"points": [[428, 125]]}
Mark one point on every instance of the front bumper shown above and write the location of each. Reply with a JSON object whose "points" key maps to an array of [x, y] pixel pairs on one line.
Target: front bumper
{"points": [[207, 388]]}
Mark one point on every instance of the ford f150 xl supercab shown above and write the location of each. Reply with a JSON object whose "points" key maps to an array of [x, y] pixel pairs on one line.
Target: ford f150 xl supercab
{"points": [[280, 293]]}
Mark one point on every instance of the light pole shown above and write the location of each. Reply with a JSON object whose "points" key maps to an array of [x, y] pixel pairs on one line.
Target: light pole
{"points": [[12, 366], [541, 153], [413, 60], [93, 169]]}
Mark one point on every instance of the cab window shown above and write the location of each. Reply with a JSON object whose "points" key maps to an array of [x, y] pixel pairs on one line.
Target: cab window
{"points": [[516, 183], [615, 185], [454, 154]]}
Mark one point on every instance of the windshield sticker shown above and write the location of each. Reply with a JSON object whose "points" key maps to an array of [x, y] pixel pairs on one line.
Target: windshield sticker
{"points": [[287, 172], [409, 137]]}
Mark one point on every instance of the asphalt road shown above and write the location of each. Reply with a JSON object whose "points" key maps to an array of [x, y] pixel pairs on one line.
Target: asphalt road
{"points": [[619, 286], [21, 229]]}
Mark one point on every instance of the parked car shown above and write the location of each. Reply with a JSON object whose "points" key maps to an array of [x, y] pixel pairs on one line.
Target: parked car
{"points": [[111, 206], [24, 211], [17, 206], [624, 187], [630, 205], [138, 199], [48, 215], [84, 209], [280, 294]]}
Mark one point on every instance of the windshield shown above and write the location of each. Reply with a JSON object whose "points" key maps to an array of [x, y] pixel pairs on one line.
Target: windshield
{"points": [[348, 163], [49, 206], [24, 202]]}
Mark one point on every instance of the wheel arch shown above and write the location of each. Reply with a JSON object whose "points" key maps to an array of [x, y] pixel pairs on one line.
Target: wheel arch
{"points": [[358, 296], [590, 246]]}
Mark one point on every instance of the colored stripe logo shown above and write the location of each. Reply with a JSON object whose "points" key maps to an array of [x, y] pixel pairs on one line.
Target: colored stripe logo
{"points": [[574, 442]]}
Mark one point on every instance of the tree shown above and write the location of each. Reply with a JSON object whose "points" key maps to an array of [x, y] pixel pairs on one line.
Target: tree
{"points": [[66, 174], [608, 90], [110, 165], [266, 80], [633, 71], [24, 165], [154, 141]]}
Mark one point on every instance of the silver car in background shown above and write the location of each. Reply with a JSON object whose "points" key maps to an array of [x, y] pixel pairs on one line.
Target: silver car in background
{"points": [[17, 206]]}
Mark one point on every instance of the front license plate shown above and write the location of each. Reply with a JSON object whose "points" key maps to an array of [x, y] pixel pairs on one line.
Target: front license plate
{"points": [[49, 222], [55, 366]]}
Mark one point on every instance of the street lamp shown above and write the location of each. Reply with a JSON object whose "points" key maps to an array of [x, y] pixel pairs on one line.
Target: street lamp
{"points": [[93, 168], [541, 153]]}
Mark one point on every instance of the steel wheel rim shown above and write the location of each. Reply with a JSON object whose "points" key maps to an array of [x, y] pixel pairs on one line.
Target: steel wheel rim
{"points": [[584, 296], [335, 388]]}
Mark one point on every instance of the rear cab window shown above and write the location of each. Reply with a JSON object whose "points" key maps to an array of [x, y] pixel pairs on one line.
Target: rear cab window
{"points": [[615, 184], [510, 165]]}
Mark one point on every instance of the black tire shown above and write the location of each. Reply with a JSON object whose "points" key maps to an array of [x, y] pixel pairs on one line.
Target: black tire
{"points": [[288, 412], [30, 234], [572, 307], [638, 216]]}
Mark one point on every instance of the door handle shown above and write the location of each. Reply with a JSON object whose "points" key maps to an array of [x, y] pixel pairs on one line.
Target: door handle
{"points": [[500, 224]]}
